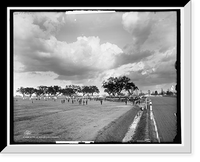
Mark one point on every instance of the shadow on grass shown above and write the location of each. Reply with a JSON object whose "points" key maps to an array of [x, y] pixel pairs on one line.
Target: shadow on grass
{"points": [[140, 134]]}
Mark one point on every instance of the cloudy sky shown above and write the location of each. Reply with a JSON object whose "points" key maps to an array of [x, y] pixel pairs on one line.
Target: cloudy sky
{"points": [[55, 48]]}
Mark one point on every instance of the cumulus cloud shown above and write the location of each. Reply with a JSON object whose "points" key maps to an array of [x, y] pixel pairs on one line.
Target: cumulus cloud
{"points": [[132, 55], [151, 30], [139, 24], [38, 24], [122, 70], [148, 60], [163, 33], [67, 59], [39, 50], [157, 69], [153, 45]]}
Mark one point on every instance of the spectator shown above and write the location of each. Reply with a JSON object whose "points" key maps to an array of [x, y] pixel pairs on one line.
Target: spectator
{"points": [[126, 101], [80, 101], [86, 102]]}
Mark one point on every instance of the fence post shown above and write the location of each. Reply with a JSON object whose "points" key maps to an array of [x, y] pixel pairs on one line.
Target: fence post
{"points": [[146, 103], [150, 105]]}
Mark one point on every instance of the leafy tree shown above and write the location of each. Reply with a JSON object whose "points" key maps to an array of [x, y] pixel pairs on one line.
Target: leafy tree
{"points": [[85, 90], [22, 91], [115, 85], [130, 87], [68, 91], [38, 92], [54, 90], [107, 91], [43, 89], [57, 90], [93, 89], [169, 93], [29, 91], [76, 88], [49, 90], [110, 86], [120, 83]]}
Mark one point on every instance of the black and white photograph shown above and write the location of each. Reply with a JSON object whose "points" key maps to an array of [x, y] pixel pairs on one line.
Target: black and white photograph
{"points": [[96, 77], [98, 80]]}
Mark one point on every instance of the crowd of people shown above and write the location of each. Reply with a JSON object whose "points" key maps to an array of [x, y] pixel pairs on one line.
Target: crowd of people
{"points": [[134, 100], [81, 100], [85, 100]]}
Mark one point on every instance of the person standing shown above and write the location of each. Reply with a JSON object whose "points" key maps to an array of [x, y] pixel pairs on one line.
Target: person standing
{"points": [[126, 101], [80, 101], [86, 102]]}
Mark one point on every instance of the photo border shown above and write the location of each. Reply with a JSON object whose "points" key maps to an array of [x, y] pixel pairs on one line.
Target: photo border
{"points": [[185, 147]]}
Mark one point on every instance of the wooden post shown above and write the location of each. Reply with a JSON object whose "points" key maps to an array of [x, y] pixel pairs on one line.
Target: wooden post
{"points": [[146, 103]]}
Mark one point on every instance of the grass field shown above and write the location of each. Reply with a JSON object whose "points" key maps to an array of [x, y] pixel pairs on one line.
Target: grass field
{"points": [[164, 109], [49, 121]]}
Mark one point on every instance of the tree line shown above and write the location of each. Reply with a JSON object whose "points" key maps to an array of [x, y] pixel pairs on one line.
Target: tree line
{"points": [[69, 90], [113, 86]]}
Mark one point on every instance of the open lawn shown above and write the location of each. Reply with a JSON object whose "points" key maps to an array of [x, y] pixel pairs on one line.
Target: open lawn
{"points": [[164, 109], [49, 121]]}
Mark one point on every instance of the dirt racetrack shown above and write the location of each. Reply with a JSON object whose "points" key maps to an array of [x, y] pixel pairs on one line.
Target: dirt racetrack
{"points": [[164, 109]]}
